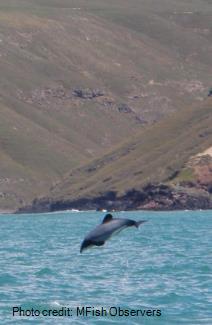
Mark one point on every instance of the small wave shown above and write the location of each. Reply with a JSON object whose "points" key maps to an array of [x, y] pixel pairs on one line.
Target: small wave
{"points": [[56, 303], [7, 279], [44, 272]]}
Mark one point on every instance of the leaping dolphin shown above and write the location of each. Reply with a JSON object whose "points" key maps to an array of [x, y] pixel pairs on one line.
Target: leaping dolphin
{"points": [[106, 229]]}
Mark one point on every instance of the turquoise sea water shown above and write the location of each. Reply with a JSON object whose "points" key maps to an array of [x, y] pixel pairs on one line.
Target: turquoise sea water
{"points": [[165, 265]]}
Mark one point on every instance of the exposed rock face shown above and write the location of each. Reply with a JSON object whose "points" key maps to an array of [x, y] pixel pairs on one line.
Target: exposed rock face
{"points": [[124, 108], [46, 94], [87, 93], [197, 173], [151, 197]]}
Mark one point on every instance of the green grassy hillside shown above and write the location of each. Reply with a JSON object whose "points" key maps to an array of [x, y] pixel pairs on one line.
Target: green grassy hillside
{"points": [[80, 77]]}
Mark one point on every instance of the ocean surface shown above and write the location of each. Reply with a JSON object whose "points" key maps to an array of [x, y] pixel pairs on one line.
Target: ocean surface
{"points": [[160, 273]]}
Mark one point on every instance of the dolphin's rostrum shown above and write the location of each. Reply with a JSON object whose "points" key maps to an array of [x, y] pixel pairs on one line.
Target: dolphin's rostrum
{"points": [[106, 229]]}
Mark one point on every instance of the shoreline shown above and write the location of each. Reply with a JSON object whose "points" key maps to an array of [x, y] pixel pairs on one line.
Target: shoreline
{"points": [[14, 212], [7, 211], [153, 197]]}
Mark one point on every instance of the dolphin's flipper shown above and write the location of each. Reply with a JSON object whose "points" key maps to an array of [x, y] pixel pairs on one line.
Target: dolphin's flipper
{"points": [[98, 243], [87, 243]]}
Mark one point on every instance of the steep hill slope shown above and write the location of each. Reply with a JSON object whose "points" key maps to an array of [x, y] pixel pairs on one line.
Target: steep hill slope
{"points": [[158, 154], [78, 77]]}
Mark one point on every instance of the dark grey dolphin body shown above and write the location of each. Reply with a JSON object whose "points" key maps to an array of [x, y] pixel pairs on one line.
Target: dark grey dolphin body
{"points": [[106, 229]]}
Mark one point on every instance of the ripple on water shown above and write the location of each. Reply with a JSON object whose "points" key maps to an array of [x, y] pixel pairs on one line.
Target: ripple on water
{"points": [[8, 280], [44, 272]]}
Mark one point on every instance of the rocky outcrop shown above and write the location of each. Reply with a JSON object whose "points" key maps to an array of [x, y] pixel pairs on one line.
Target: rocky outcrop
{"points": [[210, 92], [124, 108], [151, 197], [49, 94], [87, 93]]}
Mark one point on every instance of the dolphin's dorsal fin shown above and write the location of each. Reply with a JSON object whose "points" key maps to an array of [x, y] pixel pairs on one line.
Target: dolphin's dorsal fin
{"points": [[107, 218]]}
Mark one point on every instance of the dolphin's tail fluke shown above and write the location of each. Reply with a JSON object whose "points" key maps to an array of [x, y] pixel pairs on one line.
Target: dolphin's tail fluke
{"points": [[138, 223]]}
